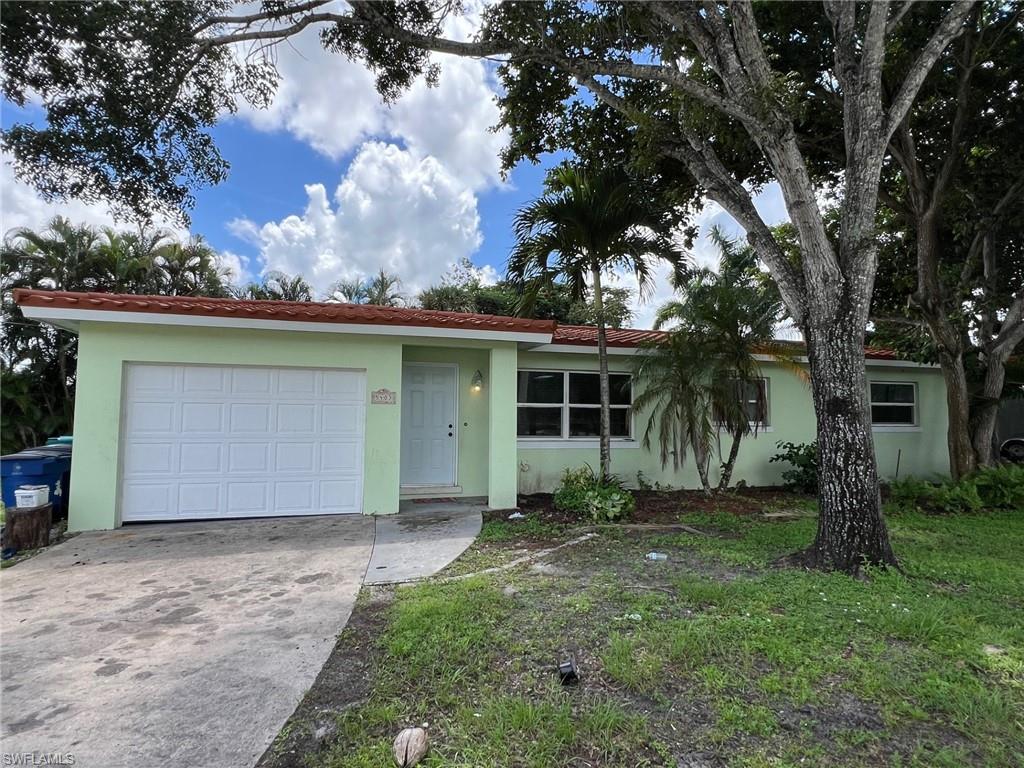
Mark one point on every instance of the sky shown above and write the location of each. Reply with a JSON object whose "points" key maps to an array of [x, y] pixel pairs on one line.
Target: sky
{"points": [[331, 183]]}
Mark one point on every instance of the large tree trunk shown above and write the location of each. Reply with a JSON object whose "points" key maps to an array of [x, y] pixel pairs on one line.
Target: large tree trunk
{"points": [[602, 364], [851, 531], [958, 406]]}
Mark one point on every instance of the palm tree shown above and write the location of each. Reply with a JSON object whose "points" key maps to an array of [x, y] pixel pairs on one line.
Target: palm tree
{"points": [[706, 375], [348, 291], [383, 291], [277, 286], [586, 226]]}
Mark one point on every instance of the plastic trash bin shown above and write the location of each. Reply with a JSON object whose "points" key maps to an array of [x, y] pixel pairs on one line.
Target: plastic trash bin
{"points": [[48, 465]]}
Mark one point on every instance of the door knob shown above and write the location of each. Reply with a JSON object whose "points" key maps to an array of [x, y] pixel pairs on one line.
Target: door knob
{"points": [[449, 434], [450, 426]]}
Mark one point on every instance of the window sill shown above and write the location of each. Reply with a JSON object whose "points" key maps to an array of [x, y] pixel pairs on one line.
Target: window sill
{"points": [[574, 442], [894, 428]]}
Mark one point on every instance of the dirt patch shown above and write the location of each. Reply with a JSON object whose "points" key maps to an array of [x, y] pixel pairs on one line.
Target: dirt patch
{"points": [[345, 681], [667, 506]]}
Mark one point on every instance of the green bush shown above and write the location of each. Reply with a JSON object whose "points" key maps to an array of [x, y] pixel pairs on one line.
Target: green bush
{"points": [[991, 487], [583, 493], [803, 477]]}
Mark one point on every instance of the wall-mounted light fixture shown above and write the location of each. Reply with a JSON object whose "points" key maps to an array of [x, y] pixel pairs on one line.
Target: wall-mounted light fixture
{"points": [[477, 382]]}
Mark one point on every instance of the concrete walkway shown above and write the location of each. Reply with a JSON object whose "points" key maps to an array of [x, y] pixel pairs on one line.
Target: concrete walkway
{"points": [[421, 540], [191, 643]]}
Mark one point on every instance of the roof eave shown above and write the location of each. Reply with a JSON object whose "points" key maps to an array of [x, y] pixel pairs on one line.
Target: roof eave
{"points": [[70, 319]]}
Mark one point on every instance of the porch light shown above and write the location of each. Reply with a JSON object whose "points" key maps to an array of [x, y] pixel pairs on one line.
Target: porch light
{"points": [[477, 382]]}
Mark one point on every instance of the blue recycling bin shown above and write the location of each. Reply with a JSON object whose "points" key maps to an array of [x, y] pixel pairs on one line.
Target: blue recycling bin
{"points": [[48, 465]]}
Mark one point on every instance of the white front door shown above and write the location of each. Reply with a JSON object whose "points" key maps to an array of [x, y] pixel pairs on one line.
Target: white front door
{"points": [[429, 434], [209, 441]]}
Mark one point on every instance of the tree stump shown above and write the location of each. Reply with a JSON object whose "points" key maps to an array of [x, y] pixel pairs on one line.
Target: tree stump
{"points": [[28, 527]]}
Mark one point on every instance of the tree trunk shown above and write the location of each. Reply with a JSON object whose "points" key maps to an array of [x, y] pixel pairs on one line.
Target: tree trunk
{"points": [[851, 531], [701, 458], [987, 411], [958, 407], [734, 450], [28, 527], [602, 364]]}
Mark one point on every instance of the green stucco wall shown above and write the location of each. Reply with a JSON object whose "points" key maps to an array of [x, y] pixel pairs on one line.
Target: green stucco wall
{"points": [[491, 461], [105, 348], [921, 450]]}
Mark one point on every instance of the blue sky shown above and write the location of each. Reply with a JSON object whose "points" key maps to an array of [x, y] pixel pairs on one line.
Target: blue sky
{"points": [[331, 183]]}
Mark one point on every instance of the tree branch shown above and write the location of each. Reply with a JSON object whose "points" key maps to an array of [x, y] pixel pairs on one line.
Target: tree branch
{"points": [[951, 26]]}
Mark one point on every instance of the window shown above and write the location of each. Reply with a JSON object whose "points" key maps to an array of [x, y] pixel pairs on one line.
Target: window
{"points": [[754, 397], [893, 403], [560, 404]]}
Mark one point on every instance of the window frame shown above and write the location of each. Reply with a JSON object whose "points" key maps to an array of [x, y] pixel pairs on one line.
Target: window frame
{"points": [[566, 406], [894, 425]]}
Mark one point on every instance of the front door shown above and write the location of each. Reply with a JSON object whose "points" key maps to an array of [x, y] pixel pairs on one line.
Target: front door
{"points": [[429, 434]]}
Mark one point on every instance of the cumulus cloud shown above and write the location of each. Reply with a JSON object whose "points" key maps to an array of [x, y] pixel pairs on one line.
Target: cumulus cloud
{"points": [[332, 104], [21, 206], [392, 209]]}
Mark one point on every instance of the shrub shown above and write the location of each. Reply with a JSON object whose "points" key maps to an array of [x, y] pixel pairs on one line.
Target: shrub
{"points": [[583, 493], [991, 487], [803, 477]]}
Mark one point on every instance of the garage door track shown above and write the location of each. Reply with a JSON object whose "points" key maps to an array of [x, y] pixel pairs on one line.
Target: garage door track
{"points": [[183, 644]]}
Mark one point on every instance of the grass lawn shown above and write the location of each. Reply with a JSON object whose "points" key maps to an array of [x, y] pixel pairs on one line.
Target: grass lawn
{"points": [[711, 658]]}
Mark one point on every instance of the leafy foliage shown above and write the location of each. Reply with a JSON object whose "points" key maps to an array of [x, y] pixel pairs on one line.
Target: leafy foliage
{"points": [[277, 286], [1000, 487], [584, 493], [37, 361], [803, 457], [461, 290], [128, 102]]}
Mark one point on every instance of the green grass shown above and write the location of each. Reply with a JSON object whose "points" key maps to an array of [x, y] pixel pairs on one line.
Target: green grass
{"points": [[718, 652]]}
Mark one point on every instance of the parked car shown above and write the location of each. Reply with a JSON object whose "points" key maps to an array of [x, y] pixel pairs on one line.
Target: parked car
{"points": [[1013, 449]]}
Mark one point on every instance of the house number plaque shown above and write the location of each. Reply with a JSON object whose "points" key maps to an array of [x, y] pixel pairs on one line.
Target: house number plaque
{"points": [[383, 397]]}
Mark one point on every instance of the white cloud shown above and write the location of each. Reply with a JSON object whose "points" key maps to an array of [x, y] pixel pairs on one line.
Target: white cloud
{"points": [[392, 209], [21, 206], [332, 104]]}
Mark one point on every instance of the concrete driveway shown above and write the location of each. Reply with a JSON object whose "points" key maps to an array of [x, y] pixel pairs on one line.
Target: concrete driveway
{"points": [[186, 644]]}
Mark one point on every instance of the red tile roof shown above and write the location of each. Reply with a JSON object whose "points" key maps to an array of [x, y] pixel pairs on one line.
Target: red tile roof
{"points": [[586, 335], [360, 314], [309, 312], [617, 337]]}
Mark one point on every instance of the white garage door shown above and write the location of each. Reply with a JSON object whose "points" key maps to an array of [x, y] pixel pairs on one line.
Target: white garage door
{"points": [[205, 441]]}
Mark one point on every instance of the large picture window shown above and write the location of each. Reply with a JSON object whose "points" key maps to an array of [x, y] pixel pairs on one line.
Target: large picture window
{"points": [[893, 404], [566, 404]]}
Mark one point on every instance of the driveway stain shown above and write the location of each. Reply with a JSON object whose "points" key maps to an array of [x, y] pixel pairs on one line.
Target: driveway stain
{"points": [[111, 668], [312, 577]]}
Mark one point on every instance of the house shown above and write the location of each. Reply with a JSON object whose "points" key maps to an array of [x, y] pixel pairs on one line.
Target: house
{"points": [[191, 408]]}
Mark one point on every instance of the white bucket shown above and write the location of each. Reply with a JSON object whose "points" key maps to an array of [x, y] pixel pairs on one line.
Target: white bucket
{"points": [[32, 495]]}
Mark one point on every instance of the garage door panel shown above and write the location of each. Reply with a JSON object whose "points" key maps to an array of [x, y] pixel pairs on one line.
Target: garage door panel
{"points": [[203, 378], [224, 441], [200, 457], [296, 417], [248, 457], [152, 458], [246, 499], [149, 500], [202, 417], [295, 457], [152, 418]]}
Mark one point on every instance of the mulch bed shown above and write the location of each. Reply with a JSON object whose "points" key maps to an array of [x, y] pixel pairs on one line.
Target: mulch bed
{"points": [[664, 506]]}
